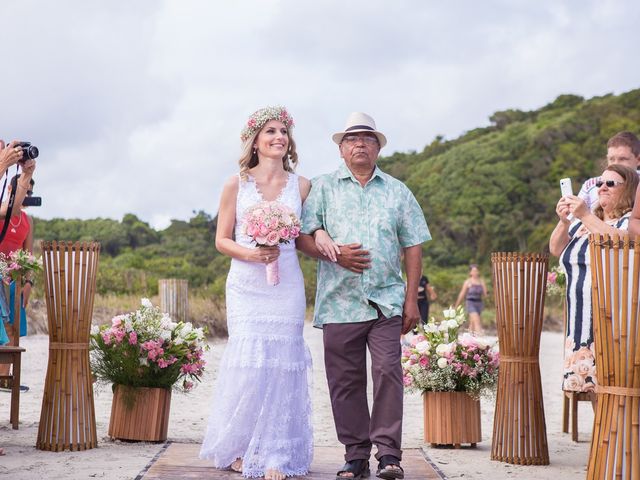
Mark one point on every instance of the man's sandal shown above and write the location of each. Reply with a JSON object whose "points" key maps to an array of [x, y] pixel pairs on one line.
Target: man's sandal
{"points": [[359, 468], [389, 468]]}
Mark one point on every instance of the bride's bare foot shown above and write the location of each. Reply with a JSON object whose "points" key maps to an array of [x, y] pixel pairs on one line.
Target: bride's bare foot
{"points": [[236, 465], [272, 474]]}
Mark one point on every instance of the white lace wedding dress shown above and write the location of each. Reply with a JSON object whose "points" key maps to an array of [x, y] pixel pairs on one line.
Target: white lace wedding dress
{"points": [[261, 410]]}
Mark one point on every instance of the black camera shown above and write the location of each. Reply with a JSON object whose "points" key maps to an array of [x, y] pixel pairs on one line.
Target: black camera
{"points": [[32, 202], [28, 151]]}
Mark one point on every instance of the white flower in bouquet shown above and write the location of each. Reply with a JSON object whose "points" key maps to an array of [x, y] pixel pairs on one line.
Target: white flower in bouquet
{"points": [[443, 348], [431, 327], [442, 362], [451, 323], [165, 334], [443, 327], [199, 333], [423, 347], [145, 302], [449, 313], [95, 329], [186, 329]]}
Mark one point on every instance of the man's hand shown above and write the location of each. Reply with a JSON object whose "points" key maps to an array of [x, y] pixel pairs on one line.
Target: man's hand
{"points": [[410, 316], [353, 258]]}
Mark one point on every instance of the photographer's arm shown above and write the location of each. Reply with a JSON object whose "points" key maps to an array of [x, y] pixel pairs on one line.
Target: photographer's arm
{"points": [[24, 183], [9, 155]]}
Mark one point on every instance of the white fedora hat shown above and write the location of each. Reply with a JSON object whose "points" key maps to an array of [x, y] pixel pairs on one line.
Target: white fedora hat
{"points": [[360, 122]]}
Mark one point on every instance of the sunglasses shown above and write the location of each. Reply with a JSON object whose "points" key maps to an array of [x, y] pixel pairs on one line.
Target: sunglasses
{"points": [[608, 183]]}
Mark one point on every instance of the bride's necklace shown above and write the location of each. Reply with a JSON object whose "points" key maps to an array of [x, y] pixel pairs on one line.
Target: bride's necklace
{"points": [[13, 227]]}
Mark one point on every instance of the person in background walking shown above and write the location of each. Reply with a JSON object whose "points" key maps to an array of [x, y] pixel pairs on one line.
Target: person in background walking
{"points": [[473, 291]]}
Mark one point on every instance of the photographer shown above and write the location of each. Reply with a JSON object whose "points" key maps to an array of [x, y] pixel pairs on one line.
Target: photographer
{"points": [[17, 235]]}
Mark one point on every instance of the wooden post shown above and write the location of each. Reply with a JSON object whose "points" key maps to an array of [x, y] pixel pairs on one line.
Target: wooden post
{"points": [[67, 420], [174, 298], [615, 274], [519, 431]]}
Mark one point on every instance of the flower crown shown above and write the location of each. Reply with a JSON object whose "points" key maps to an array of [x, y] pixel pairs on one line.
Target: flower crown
{"points": [[262, 116]]}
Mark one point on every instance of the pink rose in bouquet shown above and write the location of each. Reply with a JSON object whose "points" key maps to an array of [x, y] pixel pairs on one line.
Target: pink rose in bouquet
{"points": [[269, 224]]}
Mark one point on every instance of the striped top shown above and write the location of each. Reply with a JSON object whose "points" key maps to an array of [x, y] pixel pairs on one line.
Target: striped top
{"points": [[576, 261]]}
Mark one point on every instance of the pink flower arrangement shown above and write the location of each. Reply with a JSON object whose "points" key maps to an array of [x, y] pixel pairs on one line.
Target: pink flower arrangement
{"points": [[269, 224], [145, 348], [437, 359], [556, 281], [18, 264]]}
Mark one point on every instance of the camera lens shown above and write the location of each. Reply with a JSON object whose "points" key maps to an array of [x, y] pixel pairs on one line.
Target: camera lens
{"points": [[31, 152]]}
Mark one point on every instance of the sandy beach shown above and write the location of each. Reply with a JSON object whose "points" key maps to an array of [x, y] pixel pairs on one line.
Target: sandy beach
{"points": [[123, 460]]}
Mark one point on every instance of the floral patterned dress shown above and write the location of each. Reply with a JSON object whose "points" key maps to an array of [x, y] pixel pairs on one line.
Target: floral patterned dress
{"points": [[579, 356]]}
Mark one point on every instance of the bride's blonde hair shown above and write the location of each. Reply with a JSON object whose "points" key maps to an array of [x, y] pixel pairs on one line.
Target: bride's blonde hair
{"points": [[251, 130]]}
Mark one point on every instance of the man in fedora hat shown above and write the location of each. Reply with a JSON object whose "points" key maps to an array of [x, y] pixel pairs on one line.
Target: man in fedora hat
{"points": [[361, 299]]}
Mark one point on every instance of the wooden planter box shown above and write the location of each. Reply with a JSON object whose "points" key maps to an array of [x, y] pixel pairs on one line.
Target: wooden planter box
{"points": [[451, 418], [139, 413]]}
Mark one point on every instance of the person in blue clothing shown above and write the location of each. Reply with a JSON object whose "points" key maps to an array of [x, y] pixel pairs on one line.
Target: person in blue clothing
{"points": [[473, 292]]}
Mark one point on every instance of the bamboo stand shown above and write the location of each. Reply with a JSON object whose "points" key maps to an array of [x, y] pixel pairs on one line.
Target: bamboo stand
{"points": [[174, 298], [519, 431], [67, 420], [615, 270]]}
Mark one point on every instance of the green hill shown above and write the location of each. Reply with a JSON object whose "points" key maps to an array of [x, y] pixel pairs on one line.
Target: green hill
{"points": [[492, 189], [495, 188]]}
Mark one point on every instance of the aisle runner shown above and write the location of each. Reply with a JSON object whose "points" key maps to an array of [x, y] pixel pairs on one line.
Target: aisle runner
{"points": [[180, 461]]}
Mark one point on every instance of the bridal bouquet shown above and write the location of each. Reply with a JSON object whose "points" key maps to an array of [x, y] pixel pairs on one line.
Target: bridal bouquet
{"points": [[269, 224], [436, 359], [18, 264], [145, 348]]}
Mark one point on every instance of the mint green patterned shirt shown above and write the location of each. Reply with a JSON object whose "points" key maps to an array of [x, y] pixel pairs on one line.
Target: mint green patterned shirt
{"points": [[384, 217]]}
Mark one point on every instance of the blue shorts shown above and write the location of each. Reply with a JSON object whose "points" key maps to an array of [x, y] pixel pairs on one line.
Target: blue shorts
{"points": [[474, 306]]}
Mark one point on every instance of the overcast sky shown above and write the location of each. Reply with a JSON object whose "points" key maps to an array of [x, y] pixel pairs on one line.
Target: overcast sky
{"points": [[137, 106]]}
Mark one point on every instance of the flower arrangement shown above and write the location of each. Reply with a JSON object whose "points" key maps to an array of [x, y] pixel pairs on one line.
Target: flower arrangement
{"points": [[269, 224], [145, 348], [19, 264], [437, 360], [556, 281], [259, 118]]}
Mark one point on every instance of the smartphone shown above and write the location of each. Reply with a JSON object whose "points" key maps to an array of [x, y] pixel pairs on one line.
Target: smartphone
{"points": [[565, 187], [566, 190]]}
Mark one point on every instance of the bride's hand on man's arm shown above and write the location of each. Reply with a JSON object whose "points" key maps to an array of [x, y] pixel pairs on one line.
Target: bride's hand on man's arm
{"points": [[325, 245]]}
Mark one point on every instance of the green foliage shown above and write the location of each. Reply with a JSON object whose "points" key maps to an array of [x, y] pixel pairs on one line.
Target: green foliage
{"points": [[492, 189], [495, 189]]}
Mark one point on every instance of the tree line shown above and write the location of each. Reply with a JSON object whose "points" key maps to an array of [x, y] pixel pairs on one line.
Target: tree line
{"points": [[491, 189]]}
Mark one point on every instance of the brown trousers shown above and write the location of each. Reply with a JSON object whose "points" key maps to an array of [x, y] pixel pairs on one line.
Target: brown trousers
{"points": [[345, 361]]}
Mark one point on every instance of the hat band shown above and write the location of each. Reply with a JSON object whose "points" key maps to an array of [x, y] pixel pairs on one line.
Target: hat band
{"points": [[360, 127]]}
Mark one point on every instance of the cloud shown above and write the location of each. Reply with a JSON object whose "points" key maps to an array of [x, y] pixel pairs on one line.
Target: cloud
{"points": [[137, 106]]}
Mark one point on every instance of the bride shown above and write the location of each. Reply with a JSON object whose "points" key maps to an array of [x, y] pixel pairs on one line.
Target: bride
{"points": [[260, 422]]}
